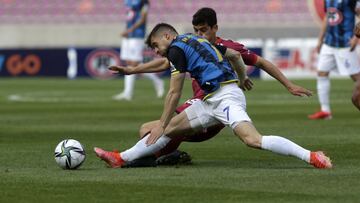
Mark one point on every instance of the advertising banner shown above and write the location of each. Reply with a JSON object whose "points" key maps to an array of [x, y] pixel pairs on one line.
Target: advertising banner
{"points": [[33, 62], [64, 62], [94, 62]]}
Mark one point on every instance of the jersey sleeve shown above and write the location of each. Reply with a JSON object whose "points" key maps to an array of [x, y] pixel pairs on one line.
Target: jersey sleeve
{"points": [[221, 48], [177, 60], [248, 56]]}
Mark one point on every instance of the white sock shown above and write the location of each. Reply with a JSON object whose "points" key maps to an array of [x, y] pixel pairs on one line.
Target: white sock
{"points": [[284, 146], [158, 83], [140, 149], [129, 85], [323, 90]]}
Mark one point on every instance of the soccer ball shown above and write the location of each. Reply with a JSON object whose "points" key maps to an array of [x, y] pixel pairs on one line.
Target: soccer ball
{"points": [[69, 154]]}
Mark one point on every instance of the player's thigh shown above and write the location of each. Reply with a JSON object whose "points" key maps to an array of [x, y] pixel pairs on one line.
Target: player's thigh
{"points": [[132, 49], [123, 49], [193, 119], [232, 110], [247, 132], [179, 125], [204, 134], [147, 127], [326, 60], [347, 61]]}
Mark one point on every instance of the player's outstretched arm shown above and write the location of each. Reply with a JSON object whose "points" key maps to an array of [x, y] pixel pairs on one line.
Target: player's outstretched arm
{"points": [[170, 104], [237, 62], [156, 65], [272, 70]]}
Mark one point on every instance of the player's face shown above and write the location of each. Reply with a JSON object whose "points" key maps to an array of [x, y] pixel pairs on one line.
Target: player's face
{"points": [[160, 44], [206, 31]]}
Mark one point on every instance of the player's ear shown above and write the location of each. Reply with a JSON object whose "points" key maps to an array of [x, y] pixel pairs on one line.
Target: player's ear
{"points": [[215, 27], [167, 35]]}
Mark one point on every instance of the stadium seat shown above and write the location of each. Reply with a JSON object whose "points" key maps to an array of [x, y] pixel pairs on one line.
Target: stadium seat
{"points": [[113, 11]]}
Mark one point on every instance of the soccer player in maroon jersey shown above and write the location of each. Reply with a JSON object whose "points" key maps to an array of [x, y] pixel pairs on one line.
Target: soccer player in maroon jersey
{"points": [[204, 24]]}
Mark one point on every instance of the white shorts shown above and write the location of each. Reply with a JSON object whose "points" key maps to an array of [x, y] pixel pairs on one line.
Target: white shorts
{"points": [[227, 106], [343, 60], [132, 49]]}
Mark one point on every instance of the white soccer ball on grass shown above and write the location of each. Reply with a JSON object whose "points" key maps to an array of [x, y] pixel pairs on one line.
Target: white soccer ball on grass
{"points": [[69, 154]]}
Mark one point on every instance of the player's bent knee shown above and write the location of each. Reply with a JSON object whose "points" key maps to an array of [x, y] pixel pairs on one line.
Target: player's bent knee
{"points": [[145, 128], [143, 132]]}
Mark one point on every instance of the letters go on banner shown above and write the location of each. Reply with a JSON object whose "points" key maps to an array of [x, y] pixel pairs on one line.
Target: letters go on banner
{"points": [[33, 62]]}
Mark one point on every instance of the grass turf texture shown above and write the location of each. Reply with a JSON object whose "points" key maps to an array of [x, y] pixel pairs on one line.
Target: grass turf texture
{"points": [[224, 170]]}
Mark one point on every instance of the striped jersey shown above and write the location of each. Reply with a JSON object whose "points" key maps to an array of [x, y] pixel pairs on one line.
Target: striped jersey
{"points": [[133, 14], [204, 62], [340, 16]]}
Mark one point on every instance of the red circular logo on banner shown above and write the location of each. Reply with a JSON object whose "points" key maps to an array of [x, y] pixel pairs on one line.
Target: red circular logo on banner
{"points": [[98, 61]]}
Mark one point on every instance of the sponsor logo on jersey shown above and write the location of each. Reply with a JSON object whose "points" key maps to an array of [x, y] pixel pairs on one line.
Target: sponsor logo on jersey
{"points": [[334, 16], [130, 14]]}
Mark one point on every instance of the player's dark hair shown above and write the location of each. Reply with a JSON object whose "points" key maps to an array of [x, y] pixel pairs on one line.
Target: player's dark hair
{"points": [[205, 16], [158, 29], [146, 2]]}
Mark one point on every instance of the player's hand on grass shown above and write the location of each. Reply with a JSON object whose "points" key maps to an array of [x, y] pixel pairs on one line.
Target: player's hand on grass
{"points": [[247, 84], [155, 134], [299, 91], [120, 69]]}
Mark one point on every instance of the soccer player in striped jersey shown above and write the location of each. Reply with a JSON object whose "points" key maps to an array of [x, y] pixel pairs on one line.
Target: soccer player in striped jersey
{"points": [[336, 46], [225, 102]]}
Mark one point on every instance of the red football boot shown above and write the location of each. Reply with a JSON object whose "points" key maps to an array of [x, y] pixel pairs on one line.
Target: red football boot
{"points": [[320, 160], [112, 158], [320, 115]]}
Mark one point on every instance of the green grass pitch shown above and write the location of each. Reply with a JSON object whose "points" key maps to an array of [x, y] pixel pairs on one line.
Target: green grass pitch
{"points": [[36, 114]]}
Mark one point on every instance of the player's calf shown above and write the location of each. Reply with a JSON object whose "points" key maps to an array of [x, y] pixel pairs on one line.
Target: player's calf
{"points": [[248, 134]]}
